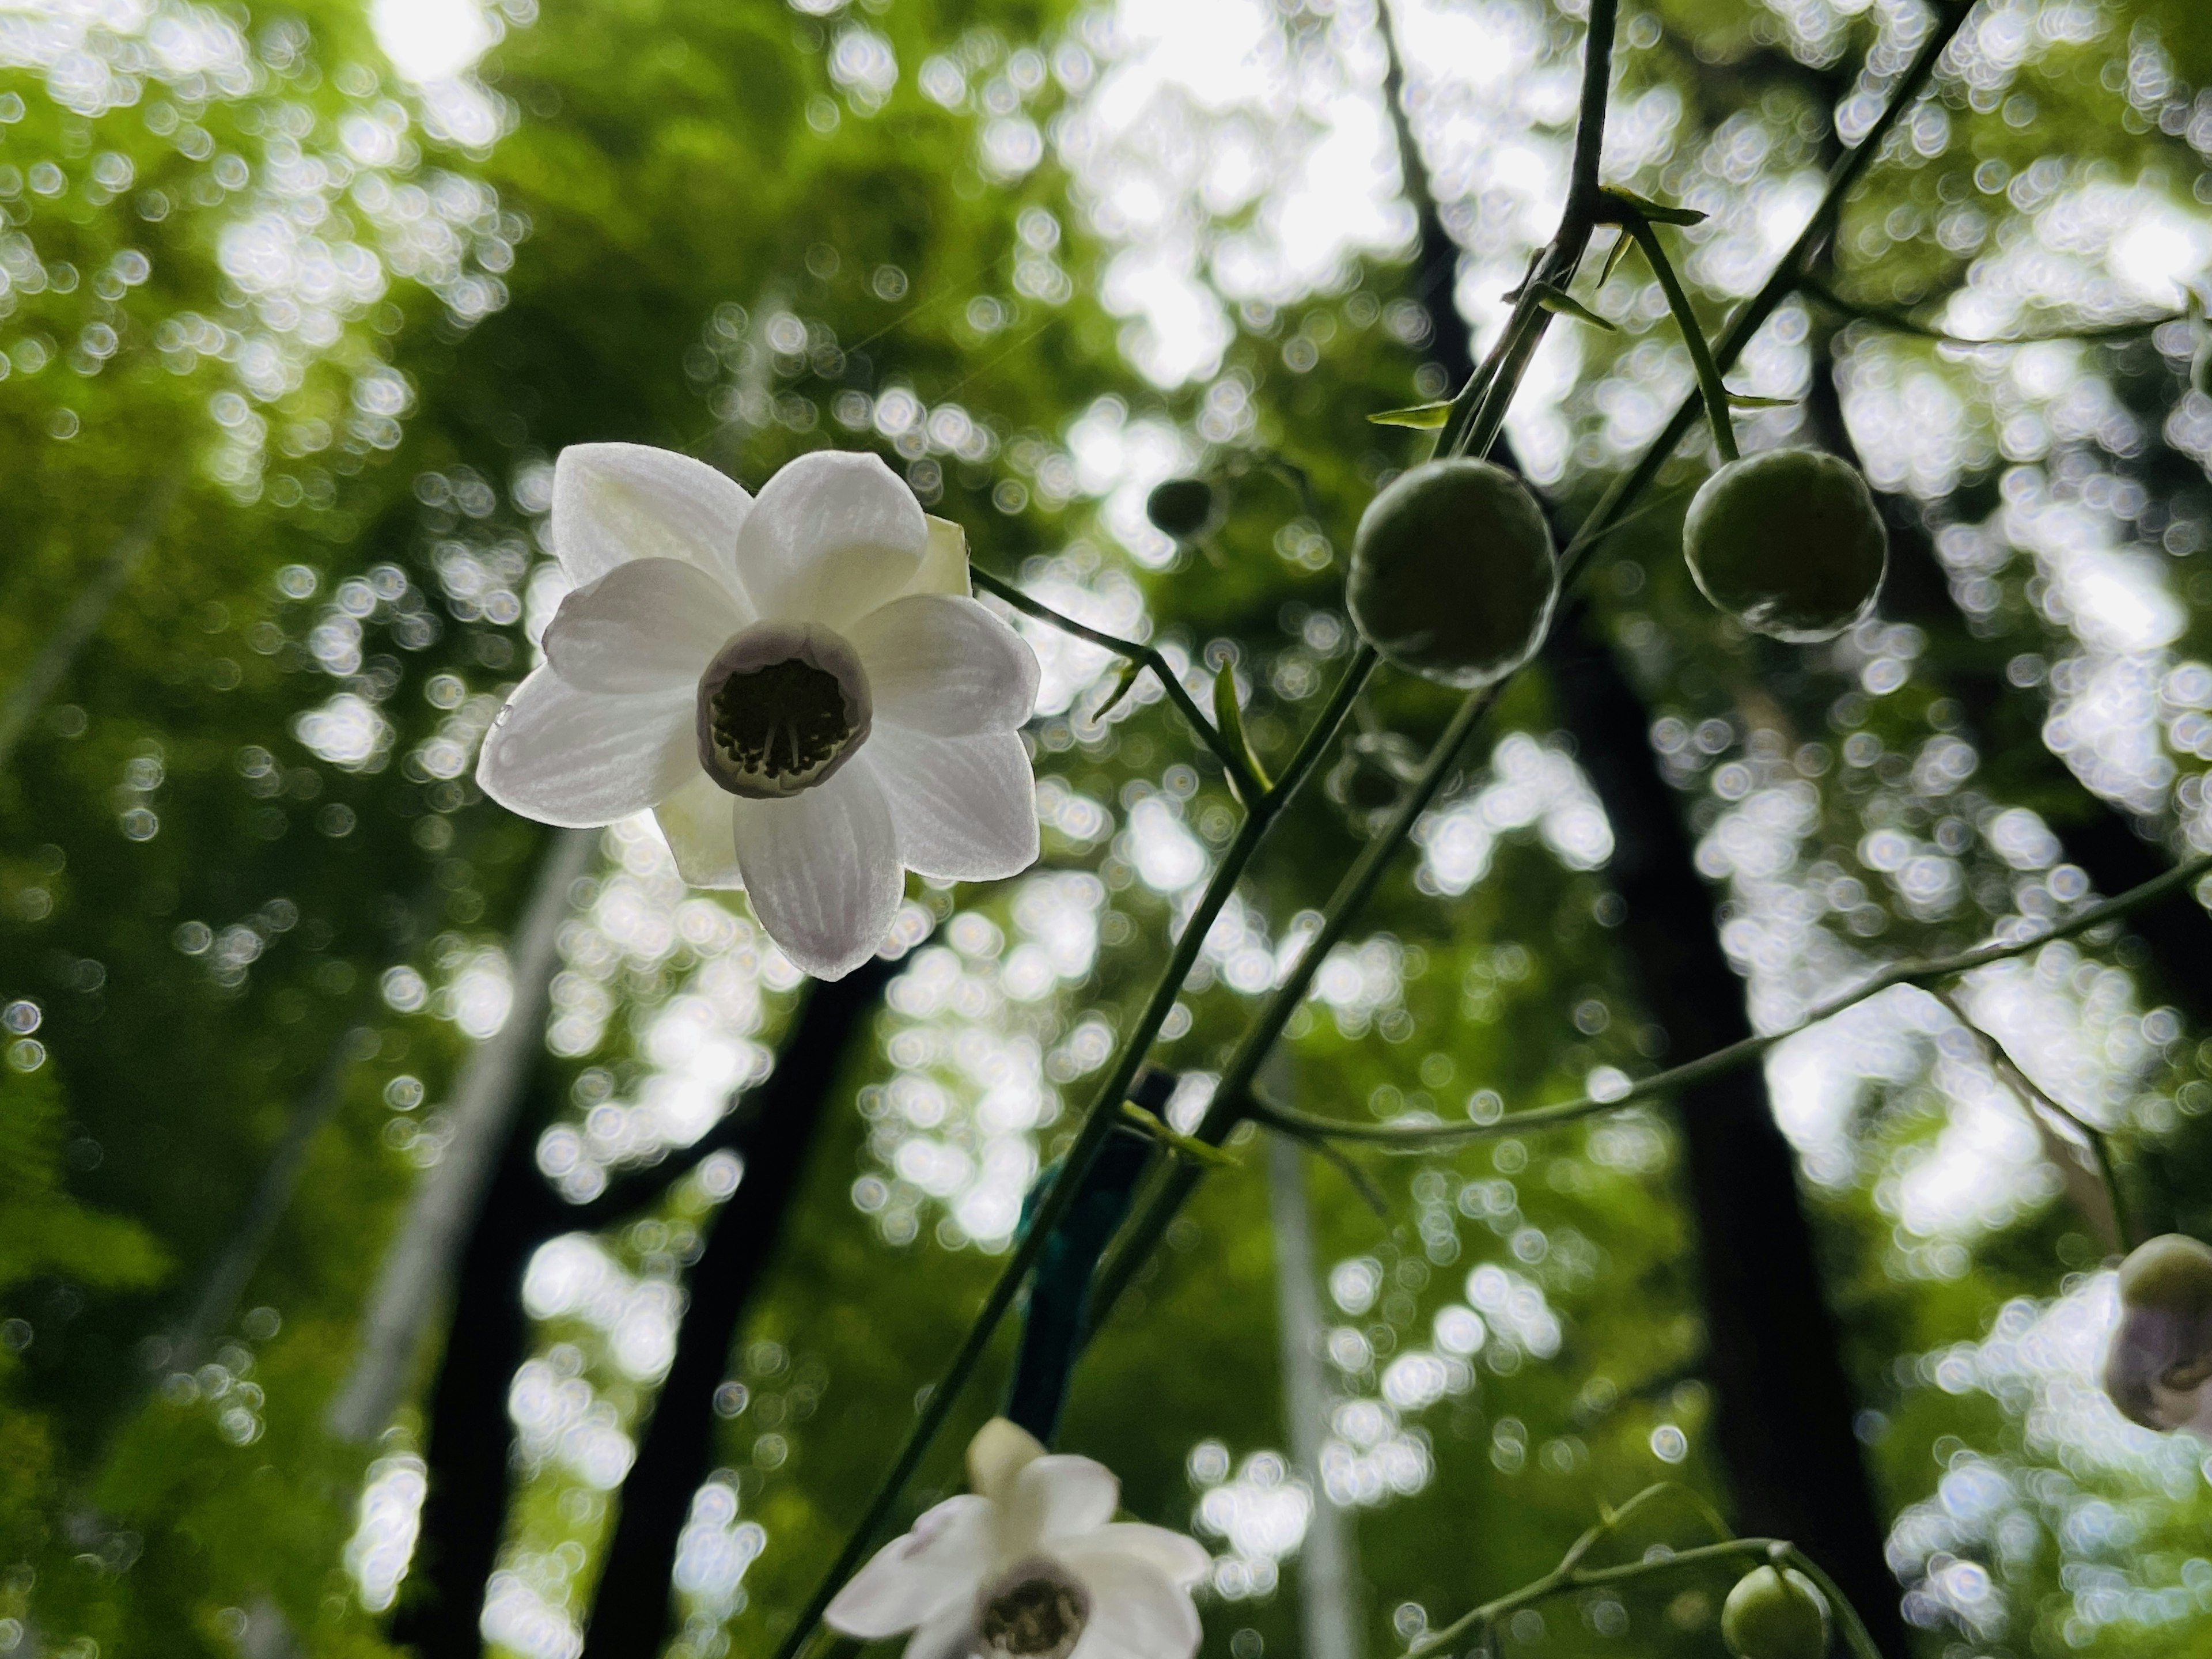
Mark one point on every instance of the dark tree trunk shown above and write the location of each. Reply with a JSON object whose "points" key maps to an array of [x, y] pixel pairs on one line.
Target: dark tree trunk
{"points": [[470, 1443], [1784, 1406], [630, 1615]]}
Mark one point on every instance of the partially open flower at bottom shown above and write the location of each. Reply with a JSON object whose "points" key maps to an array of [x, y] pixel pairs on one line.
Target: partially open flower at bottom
{"points": [[2159, 1369], [1030, 1566]]}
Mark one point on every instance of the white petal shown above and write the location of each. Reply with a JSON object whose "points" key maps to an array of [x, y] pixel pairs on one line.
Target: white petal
{"points": [[934, 1568], [944, 562], [946, 665], [1181, 1559], [822, 870], [965, 807], [583, 758], [833, 536], [699, 822], [649, 625], [948, 1635], [1057, 1497], [1136, 1611], [616, 503]]}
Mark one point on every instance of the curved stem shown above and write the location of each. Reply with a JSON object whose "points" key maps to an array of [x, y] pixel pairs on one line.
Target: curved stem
{"points": [[1099, 1120], [1902, 322], [1571, 1575], [1694, 334], [1145, 656], [1414, 1137]]}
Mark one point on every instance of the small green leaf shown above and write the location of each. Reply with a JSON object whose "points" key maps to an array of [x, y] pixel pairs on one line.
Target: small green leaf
{"points": [[1659, 213], [1621, 245], [1123, 683], [1746, 400], [1231, 719], [1559, 300], [1422, 417], [1198, 1149]]}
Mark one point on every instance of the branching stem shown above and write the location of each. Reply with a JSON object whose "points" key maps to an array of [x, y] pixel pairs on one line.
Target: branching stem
{"points": [[1414, 1137], [1144, 656]]}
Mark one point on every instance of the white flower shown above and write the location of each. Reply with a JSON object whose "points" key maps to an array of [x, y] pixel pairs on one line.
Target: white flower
{"points": [[1032, 1565], [799, 687]]}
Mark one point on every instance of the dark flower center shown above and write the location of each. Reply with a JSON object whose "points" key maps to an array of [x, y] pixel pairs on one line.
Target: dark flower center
{"points": [[780, 707], [783, 721], [1037, 1618]]}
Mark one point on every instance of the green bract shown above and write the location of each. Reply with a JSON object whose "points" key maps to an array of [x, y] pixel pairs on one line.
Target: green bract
{"points": [[2172, 1273], [1775, 1614], [1789, 543], [1189, 509], [1453, 573]]}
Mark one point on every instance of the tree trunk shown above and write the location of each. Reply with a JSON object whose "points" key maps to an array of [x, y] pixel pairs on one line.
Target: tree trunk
{"points": [[630, 1615]]}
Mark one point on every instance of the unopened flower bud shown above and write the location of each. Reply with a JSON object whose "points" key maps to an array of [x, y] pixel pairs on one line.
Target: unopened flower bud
{"points": [[1775, 1614], [1453, 573], [1000, 1450], [1371, 778], [1789, 543], [2159, 1365], [1189, 509]]}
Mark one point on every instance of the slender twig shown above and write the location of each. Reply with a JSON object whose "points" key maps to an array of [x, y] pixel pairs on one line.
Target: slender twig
{"points": [[1903, 322], [1674, 1080], [1248, 788], [1100, 1118], [1571, 1575], [2095, 1141], [1479, 409]]}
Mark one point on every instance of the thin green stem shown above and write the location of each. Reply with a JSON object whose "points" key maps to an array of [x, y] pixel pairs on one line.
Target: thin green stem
{"points": [[1099, 1119], [1144, 656], [1166, 1193], [2032, 1094], [1857, 1635], [1787, 275], [1903, 322], [1414, 1137], [1571, 1575], [1694, 334]]}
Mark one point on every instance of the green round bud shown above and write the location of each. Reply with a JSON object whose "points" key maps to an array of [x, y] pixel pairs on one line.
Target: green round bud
{"points": [[2172, 1273], [1775, 1614], [1789, 543], [1189, 509], [1453, 573]]}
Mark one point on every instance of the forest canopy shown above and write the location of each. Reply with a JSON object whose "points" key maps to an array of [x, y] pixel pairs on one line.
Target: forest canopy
{"points": [[774, 775]]}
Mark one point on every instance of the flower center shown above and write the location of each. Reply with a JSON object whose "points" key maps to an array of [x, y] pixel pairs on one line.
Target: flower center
{"points": [[1036, 1612], [781, 706]]}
